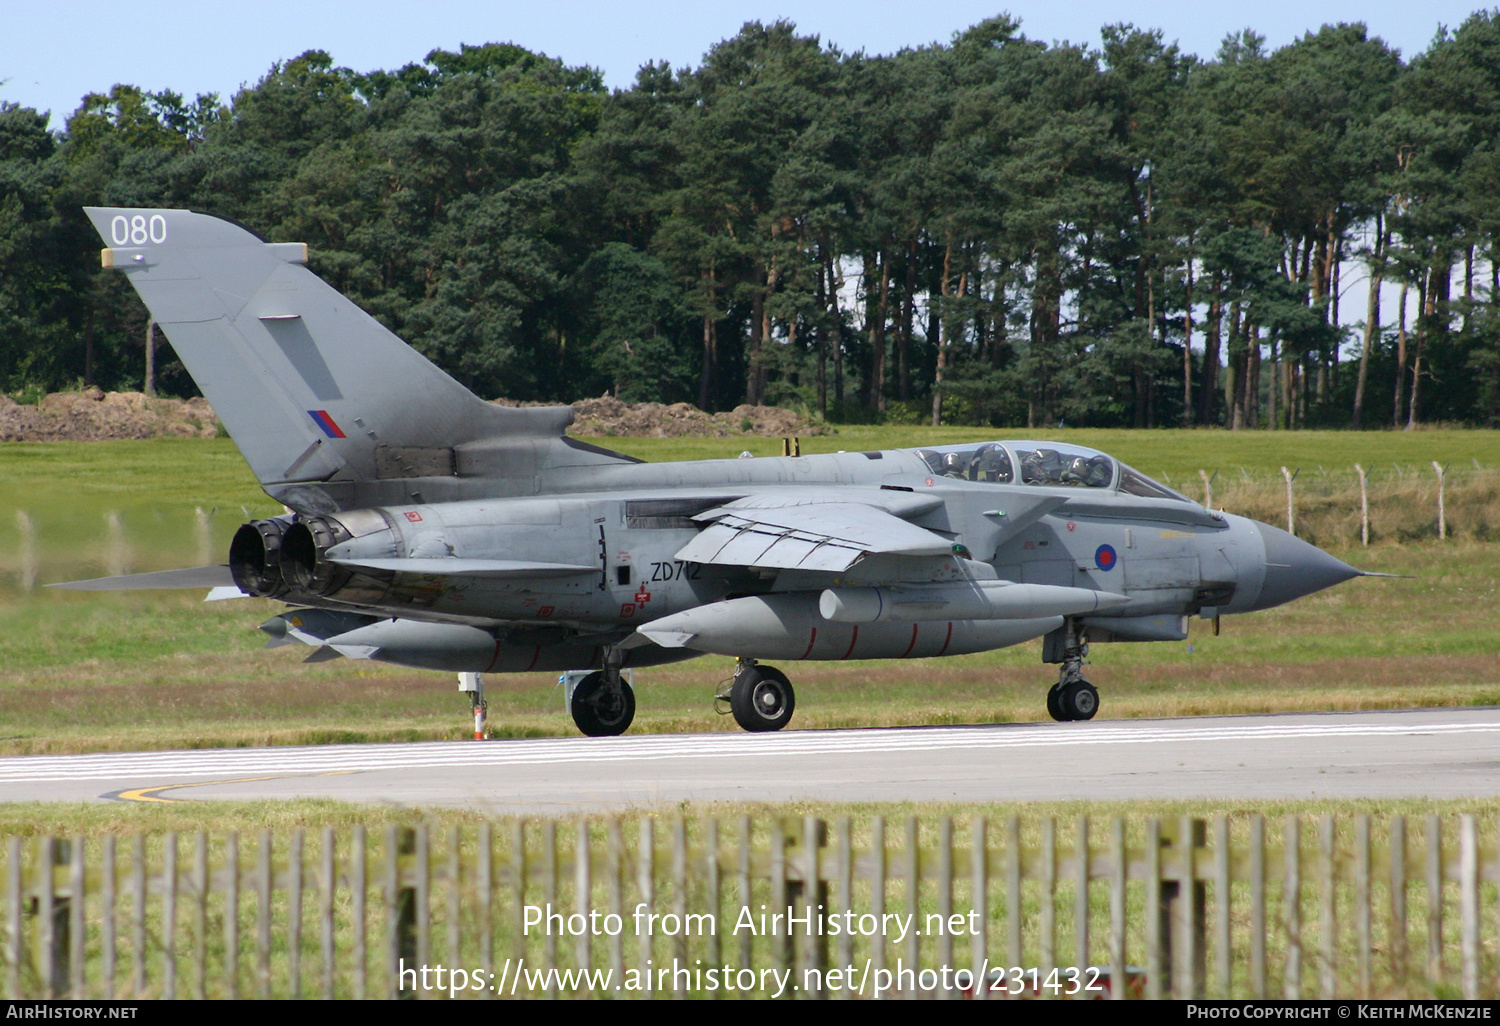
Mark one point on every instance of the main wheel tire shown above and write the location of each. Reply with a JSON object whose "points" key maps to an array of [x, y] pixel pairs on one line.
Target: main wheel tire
{"points": [[762, 699], [598, 713], [1053, 708], [1078, 701]]}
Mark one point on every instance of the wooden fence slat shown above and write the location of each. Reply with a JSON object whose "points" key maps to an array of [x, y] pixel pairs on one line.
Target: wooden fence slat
{"points": [[200, 915], [583, 892], [109, 909], [1434, 899], [1258, 918], [1399, 934], [327, 885], [617, 895], [1222, 903], [263, 883], [1291, 984], [231, 915], [549, 895], [1013, 891], [518, 873], [76, 919], [169, 916], [1048, 877], [1081, 958], [1155, 963], [781, 952], [46, 856], [421, 898], [979, 896], [1468, 847], [645, 885], [294, 913], [912, 884], [1362, 900], [1327, 913], [13, 938], [713, 886], [138, 914], [454, 882], [679, 899], [484, 878], [358, 885], [742, 879], [877, 892], [944, 897], [1118, 892]]}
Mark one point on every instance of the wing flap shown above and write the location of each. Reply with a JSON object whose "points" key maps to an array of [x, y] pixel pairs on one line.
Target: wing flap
{"points": [[829, 536]]}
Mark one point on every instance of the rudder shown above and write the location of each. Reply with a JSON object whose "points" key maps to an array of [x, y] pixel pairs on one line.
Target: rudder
{"points": [[312, 389]]}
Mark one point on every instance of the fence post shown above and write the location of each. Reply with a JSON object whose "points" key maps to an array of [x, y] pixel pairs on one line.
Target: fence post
{"points": [[1291, 523], [116, 549], [27, 553], [1442, 476], [203, 534], [1208, 488], [1184, 926], [1364, 505]]}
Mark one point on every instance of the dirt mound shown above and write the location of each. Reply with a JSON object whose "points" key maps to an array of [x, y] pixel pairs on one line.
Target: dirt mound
{"points": [[93, 415], [610, 416]]}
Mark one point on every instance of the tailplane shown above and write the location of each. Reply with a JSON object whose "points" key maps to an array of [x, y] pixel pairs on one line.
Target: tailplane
{"points": [[329, 408]]}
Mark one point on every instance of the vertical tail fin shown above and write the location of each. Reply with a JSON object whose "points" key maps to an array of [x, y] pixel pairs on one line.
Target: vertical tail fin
{"points": [[319, 397]]}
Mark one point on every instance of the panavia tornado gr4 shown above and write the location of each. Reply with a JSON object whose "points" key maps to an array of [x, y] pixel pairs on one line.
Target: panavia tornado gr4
{"points": [[429, 528]]}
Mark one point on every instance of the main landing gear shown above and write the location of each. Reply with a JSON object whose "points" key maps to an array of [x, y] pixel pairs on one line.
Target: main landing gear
{"points": [[603, 703], [760, 697], [1072, 697]]}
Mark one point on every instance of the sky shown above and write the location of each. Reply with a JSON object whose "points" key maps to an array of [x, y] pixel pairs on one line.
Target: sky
{"points": [[49, 59]]}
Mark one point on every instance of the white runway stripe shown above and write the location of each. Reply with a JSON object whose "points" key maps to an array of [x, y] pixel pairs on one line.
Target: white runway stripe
{"points": [[230, 763]]}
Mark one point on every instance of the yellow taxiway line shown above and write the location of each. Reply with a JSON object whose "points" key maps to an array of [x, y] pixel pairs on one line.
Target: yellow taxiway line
{"points": [[149, 794]]}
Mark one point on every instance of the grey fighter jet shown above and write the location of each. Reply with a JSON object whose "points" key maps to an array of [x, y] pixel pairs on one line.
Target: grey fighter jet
{"points": [[429, 528]]}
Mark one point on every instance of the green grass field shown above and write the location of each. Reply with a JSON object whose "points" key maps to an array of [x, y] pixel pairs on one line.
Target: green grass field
{"points": [[83, 671]]}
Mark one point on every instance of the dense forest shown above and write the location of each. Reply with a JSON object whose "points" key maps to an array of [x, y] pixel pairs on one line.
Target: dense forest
{"points": [[994, 231]]}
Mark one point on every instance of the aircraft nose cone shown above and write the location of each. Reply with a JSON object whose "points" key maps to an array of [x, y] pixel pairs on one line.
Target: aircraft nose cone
{"points": [[1294, 568]]}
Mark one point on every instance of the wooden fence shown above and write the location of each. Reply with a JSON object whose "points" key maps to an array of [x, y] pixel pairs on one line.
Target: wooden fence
{"points": [[1233, 907]]}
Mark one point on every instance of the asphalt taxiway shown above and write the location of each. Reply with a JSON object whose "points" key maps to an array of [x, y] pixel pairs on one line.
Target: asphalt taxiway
{"points": [[1427, 753]]}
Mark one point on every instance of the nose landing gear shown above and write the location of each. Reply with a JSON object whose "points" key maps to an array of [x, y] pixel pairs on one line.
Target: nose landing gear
{"points": [[1072, 697]]}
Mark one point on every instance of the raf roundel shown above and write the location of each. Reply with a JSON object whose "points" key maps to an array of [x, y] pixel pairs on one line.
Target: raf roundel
{"points": [[1105, 557]]}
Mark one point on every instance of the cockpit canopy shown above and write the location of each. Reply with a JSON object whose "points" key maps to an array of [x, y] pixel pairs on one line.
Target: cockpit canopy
{"points": [[1042, 463]]}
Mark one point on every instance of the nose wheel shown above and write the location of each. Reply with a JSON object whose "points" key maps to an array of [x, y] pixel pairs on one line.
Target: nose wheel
{"points": [[761, 698], [1072, 697]]}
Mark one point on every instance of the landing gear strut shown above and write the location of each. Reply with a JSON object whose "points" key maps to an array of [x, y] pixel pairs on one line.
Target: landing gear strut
{"points": [[760, 697], [603, 703], [1072, 697]]}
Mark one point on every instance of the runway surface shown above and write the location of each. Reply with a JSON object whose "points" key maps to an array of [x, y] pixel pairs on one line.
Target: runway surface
{"points": [[1431, 753]]}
